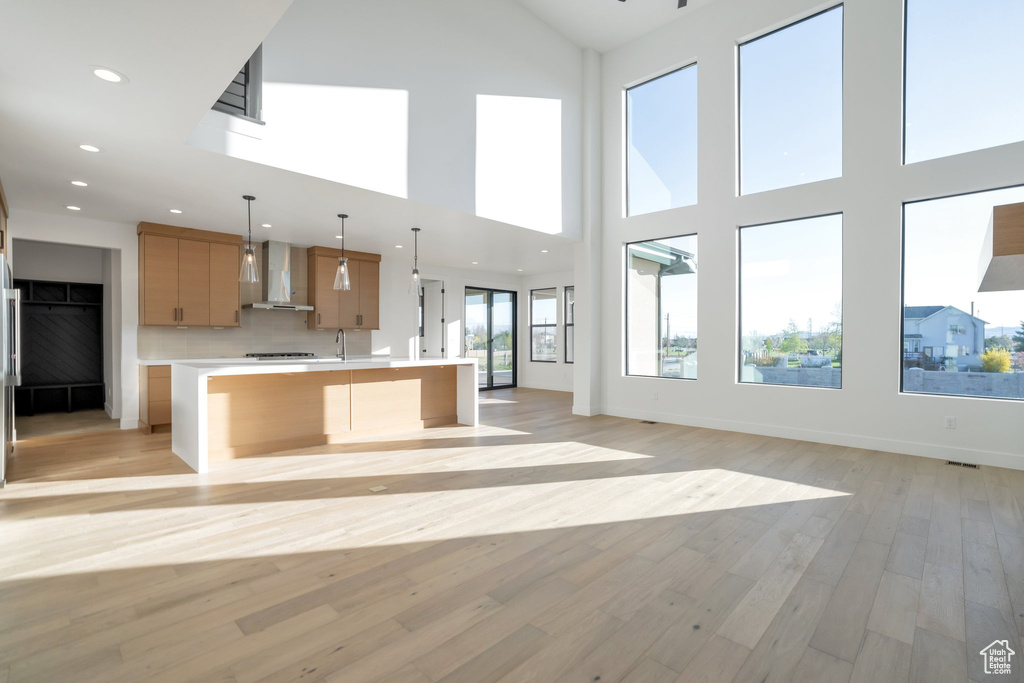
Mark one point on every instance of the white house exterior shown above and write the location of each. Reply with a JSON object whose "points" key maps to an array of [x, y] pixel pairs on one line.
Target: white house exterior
{"points": [[943, 334]]}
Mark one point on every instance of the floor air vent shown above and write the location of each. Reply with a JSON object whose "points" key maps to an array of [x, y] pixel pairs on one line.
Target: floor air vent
{"points": [[962, 464], [647, 422]]}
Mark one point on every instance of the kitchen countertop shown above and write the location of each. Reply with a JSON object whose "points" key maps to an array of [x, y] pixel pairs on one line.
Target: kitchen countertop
{"points": [[252, 366]]}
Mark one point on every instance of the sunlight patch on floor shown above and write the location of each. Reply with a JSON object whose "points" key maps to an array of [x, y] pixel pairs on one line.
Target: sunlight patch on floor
{"points": [[259, 526]]}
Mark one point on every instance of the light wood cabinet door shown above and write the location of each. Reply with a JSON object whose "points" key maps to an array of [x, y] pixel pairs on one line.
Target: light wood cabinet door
{"points": [[369, 295], [160, 302], [348, 311], [225, 294], [325, 302], [193, 282]]}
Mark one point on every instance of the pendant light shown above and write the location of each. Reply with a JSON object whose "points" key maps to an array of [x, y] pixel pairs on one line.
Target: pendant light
{"points": [[250, 272], [414, 284], [341, 279]]}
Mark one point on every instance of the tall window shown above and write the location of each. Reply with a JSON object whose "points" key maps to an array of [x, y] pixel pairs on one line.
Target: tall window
{"points": [[543, 325], [661, 307], [964, 76], [661, 143], [791, 302], [960, 336], [791, 104], [570, 327]]}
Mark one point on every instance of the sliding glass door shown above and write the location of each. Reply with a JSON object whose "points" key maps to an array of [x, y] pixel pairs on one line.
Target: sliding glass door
{"points": [[491, 335]]}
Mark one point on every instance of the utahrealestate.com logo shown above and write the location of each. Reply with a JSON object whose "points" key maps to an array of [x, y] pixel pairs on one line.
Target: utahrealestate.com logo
{"points": [[998, 656]]}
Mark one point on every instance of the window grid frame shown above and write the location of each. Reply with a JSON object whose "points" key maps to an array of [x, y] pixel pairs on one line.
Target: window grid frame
{"points": [[553, 325]]}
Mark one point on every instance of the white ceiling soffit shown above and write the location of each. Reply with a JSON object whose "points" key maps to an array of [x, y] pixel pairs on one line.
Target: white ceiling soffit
{"points": [[606, 24], [178, 57]]}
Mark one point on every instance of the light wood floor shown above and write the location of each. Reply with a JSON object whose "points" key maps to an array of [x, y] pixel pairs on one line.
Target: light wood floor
{"points": [[52, 424], [537, 547]]}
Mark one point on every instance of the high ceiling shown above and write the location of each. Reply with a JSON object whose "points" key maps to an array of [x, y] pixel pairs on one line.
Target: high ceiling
{"points": [[606, 24], [178, 59]]}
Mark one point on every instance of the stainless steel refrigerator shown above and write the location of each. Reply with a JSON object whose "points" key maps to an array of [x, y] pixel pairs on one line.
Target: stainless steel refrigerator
{"points": [[10, 341]]}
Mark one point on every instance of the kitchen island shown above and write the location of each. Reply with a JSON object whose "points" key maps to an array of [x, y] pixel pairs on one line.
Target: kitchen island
{"points": [[229, 409]]}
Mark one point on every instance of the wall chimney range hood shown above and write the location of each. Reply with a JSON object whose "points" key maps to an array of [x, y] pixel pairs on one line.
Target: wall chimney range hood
{"points": [[275, 280]]}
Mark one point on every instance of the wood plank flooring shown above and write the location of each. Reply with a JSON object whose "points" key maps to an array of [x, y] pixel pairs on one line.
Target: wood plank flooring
{"points": [[539, 546]]}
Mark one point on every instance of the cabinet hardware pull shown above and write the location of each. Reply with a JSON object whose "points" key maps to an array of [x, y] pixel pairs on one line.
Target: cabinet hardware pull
{"points": [[182, 315], [236, 316], [175, 314]]}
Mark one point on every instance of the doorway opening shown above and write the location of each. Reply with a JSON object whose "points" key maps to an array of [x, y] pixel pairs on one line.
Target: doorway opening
{"points": [[491, 335]]}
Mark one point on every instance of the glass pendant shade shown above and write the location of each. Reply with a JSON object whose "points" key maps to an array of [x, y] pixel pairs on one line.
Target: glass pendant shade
{"points": [[250, 272], [414, 284], [341, 279]]}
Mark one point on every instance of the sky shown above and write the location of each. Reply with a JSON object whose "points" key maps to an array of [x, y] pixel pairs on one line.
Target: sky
{"points": [[942, 246], [965, 76], [790, 271]]}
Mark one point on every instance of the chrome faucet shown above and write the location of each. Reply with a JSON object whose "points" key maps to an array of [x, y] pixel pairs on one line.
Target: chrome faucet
{"points": [[340, 339]]}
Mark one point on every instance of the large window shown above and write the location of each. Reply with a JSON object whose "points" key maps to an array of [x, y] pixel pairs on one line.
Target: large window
{"points": [[661, 143], [543, 325], [964, 76], [958, 340], [791, 104], [570, 324], [661, 307], [791, 302]]}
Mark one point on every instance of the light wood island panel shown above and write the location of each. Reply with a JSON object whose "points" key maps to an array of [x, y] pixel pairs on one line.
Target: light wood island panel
{"points": [[254, 414]]}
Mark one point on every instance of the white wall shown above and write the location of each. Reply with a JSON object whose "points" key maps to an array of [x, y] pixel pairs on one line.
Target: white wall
{"points": [[122, 281], [868, 411], [557, 376], [383, 95], [58, 262]]}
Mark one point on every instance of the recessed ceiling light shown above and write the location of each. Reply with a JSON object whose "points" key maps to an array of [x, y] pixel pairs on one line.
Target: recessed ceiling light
{"points": [[89, 148], [476, 263], [109, 75], [398, 246], [175, 210], [267, 225], [543, 251], [79, 183], [73, 208], [338, 237], [519, 269]]}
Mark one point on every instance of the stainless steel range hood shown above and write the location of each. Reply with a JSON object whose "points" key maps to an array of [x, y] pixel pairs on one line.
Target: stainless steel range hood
{"points": [[276, 280]]}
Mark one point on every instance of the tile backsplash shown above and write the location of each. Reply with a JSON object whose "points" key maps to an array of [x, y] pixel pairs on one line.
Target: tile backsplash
{"points": [[261, 330]]}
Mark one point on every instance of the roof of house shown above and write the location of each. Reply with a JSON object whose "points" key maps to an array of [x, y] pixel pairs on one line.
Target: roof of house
{"points": [[920, 311]]}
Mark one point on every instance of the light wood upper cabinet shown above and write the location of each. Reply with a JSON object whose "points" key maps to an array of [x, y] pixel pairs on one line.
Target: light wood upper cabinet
{"points": [[225, 295], [358, 308], [159, 262], [188, 277], [322, 295], [349, 315], [193, 282], [369, 295]]}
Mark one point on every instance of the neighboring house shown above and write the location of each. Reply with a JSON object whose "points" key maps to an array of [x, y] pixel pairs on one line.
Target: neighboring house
{"points": [[939, 334]]}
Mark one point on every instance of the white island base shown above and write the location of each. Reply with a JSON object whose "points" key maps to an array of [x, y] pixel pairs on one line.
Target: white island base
{"points": [[227, 410]]}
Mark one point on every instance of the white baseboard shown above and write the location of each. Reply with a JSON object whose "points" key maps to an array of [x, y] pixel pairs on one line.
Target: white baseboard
{"points": [[129, 423], [109, 409], [977, 457], [585, 411]]}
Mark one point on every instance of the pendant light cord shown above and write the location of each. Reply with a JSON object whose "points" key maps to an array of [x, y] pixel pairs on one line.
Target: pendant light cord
{"points": [[416, 250], [343, 237], [248, 205]]}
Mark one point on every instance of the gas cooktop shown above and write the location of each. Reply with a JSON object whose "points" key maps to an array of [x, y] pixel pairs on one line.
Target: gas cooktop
{"points": [[274, 355]]}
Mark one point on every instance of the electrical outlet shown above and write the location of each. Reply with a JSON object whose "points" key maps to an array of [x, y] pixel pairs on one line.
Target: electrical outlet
{"points": [[655, 395], [950, 422]]}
